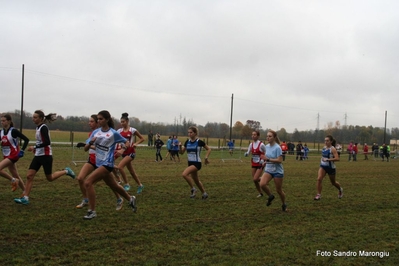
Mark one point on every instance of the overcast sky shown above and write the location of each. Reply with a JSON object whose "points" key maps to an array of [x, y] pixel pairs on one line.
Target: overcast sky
{"points": [[288, 63]]}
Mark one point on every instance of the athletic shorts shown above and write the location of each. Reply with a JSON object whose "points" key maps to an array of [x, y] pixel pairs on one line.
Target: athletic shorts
{"points": [[329, 170], [131, 155], [197, 165], [109, 168], [89, 161], [46, 161], [13, 160], [257, 166], [275, 175]]}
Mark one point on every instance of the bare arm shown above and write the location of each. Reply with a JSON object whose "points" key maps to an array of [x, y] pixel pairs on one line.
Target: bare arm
{"points": [[141, 138]]}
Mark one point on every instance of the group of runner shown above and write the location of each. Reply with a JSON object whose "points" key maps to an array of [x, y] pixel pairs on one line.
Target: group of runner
{"points": [[104, 144], [266, 163]]}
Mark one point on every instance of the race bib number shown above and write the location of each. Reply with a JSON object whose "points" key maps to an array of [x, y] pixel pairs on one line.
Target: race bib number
{"points": [[191, 157], [270, 167], [256, 158], [6, 151]]}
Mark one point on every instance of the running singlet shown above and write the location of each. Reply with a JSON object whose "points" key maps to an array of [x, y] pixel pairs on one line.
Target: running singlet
{"points": [[40, 149], [9, 145], [256, 153], [326, 153], [194, 149], [129, 135], [105, 144]]}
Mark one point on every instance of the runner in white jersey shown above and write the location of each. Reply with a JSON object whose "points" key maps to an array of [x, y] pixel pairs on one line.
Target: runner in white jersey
{"points": [[43, 155], [256, 148], [193, 147], [11, 151], [104, 140], [129, 154]]}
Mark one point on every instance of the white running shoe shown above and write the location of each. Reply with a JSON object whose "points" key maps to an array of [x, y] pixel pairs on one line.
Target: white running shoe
{"points": [[132, 203], [83, 204], [193, 191], [119, 204], [90, 215], [341, 193]]}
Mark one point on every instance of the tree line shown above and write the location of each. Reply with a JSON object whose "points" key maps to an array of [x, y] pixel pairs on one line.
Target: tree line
{"points": [[239, 131]]}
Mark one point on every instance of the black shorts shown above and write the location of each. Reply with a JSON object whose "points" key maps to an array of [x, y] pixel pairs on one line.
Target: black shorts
{"points": [[329, 170], [109, 168], [197, 165], [174, 152], [131, 155], [46, 161]]}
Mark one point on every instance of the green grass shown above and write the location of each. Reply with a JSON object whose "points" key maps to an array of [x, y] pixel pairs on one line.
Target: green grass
{"points": [[232, 227]]}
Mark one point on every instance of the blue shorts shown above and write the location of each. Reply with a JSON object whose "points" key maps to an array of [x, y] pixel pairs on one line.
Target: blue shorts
{"points": [[329, 170], [275, 175]]}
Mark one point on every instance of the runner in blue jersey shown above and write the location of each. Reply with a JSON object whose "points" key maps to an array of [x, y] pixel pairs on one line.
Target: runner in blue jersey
{"points": [[329, 155], [193, 146], [273, 169], [104, 140]]}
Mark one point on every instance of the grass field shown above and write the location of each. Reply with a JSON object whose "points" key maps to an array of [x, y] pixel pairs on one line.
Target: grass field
{"points": [[232, 227]]}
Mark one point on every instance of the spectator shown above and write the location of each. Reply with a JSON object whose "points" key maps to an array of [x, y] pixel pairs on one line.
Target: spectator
{"points": [[158, 145], [355, 151], [365, 151], [150, 138], [299, 148], [374, 150], [305, 151], [350, 151], [284, 149]]}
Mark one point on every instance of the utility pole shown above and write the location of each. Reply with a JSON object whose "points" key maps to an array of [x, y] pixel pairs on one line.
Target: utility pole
{"points": [[22, 97], [385, 128], [231, 115]]}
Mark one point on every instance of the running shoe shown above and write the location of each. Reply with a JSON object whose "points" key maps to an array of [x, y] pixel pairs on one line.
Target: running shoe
{"points": [[70, 172], [90, 215], [119, 204], [132, 203], [284, 207], [260, 195], [341, 193], [82, 204], [318, 197], [140, 189], [22, 200], [269, 200], [126, 187], [193, 191], [205, 196], [14, 185]]}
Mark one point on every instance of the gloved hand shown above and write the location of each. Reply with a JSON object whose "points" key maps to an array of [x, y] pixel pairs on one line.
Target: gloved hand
{"points": [[80, 144], [246, 154], [21, 153]]}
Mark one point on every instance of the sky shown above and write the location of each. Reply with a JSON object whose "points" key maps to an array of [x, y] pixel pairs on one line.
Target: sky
{"points": [[287, 64]]}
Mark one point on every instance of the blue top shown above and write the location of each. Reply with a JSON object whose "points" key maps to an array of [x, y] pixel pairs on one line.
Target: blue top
{"points": [[326, 153], [230, 144], [169, 144], [105, 145], [194, 149], [273, 152], [175, 144]]}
